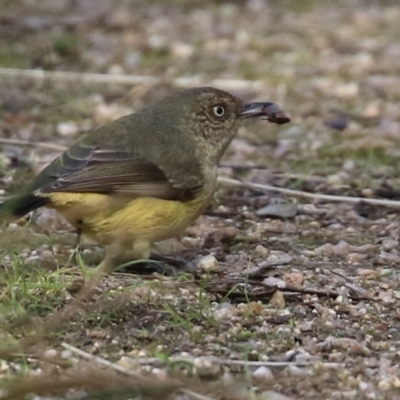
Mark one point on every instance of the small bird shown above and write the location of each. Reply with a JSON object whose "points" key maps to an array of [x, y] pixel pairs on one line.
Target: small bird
{"points": [[144, 177]]}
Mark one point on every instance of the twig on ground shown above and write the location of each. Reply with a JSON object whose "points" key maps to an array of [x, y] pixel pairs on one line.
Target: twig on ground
{"points": [[358, 290], [280, 174], [271, 289], [124, 370], [272, 364], [103, 361], [314, 196], [89, 377], [195, 395], [181, 82], [277, 364], [266, 265], [303, 290], [28, 143]]}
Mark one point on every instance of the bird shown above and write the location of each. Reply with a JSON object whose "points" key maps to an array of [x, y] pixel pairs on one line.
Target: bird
{"points": [[144, 177]]}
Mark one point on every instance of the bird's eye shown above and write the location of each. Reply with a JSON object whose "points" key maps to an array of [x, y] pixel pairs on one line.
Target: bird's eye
{"points": [[218, 111]]}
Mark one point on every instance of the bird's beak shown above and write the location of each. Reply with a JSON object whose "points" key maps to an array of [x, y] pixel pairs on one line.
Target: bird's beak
{"points": [[271, 111]]}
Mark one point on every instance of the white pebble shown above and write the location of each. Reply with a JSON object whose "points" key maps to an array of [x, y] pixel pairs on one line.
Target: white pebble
{"points": [[263, 374], [223, 314], [67, 128], [274, 282], [261, 250], [143, 353], [385, 385], [67, 354], [182, 50], [208, 263], [160, 373], [205, 366], [50, 353]]}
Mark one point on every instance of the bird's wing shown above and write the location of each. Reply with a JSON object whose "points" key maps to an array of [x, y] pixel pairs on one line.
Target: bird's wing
{"points": [[87, 168]]}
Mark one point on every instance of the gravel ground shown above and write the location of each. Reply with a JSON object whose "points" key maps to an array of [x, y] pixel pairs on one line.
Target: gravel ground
{"points": [[282, 297]]}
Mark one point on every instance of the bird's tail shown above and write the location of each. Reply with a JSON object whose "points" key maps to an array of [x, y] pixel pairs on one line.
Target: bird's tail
{"points": [[21, 205]]}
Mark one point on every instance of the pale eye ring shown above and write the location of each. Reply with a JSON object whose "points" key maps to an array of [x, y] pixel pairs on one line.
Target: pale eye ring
{"points": [[219, 111]]}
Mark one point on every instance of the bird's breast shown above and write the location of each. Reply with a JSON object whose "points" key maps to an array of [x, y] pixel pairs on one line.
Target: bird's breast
{"points": [[108, 218]]}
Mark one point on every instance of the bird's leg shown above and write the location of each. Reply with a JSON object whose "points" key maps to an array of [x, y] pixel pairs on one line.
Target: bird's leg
{"points": [[174, 261], [78, 239], [77, 247], [109, 263], [162, 263], [165, 252], [74, 257], [139, 254], [141, 250]]}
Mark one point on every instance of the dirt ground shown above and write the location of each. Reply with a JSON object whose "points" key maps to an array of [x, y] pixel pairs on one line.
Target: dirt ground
{"points": [[280, 296]]}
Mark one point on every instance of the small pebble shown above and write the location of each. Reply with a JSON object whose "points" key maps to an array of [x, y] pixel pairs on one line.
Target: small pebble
{"points": [[67, 128], [66, 354], [352, 346], [278, 210], [294, 278], [274, 282], [182, 50], [206, 367], [356, 258], [365, 272], [50, 353], [261, 250], [263, 374], [160, 374], [347, 90], [127, 362], [208, 264], [293, 370], [389, 244], [223, 314], [385, 272], [385, 385], [342, 248], [143, 353], [278, 300]]}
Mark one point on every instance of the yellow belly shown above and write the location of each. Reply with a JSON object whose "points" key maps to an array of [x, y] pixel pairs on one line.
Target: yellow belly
{"points": [[110, 219]]}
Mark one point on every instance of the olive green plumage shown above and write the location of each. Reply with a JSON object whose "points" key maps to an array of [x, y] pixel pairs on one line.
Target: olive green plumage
{"points": [[143, 177]]}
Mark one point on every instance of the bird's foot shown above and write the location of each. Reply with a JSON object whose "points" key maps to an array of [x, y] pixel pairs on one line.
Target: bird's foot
{"points": [[162, 264]]}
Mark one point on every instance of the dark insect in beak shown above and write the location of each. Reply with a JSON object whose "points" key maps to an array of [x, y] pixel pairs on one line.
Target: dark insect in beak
{"points": [[271, 111]]}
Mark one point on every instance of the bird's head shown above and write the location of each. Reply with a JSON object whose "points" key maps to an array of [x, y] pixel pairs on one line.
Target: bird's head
{"points": [[212, 116]]}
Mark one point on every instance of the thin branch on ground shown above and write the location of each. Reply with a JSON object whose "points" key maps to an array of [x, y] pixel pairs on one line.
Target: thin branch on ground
{"points": [[91, 78], [28, 143], [103, 361], [279, 174], [271, 289], [88, 377], [315, 196], [124, 370], [277, 364], [271, 364], [195, 395]]}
